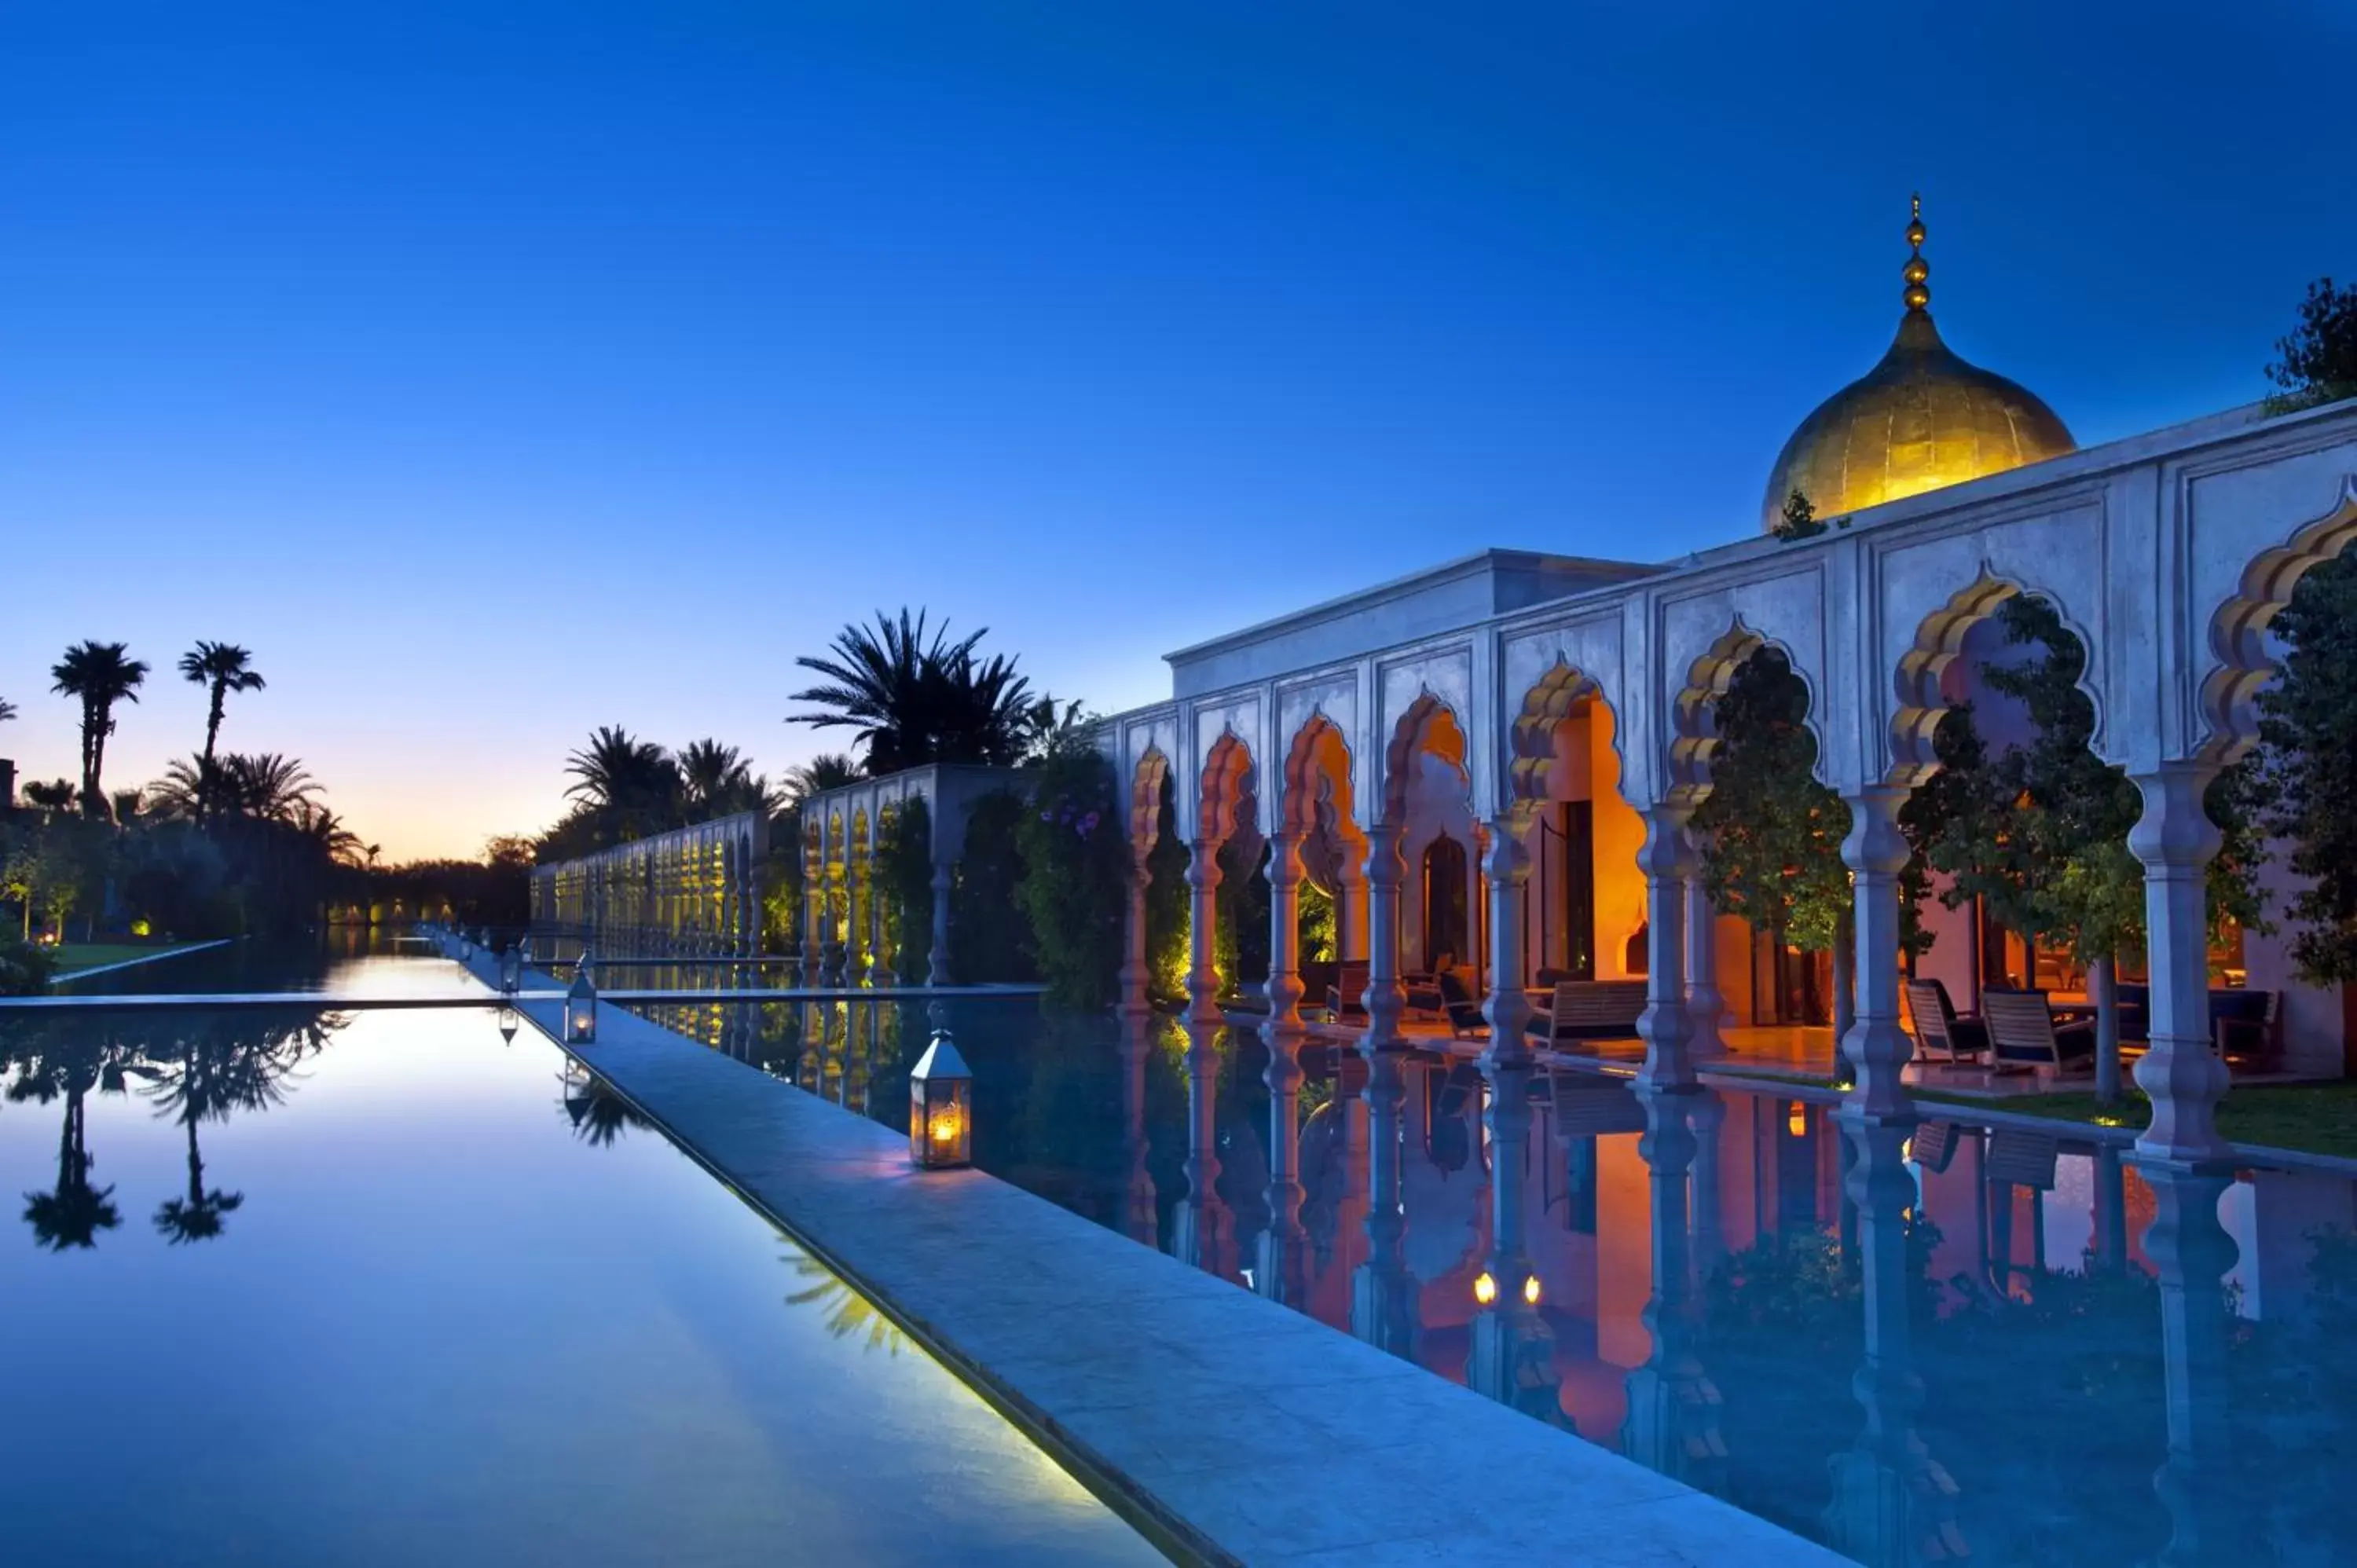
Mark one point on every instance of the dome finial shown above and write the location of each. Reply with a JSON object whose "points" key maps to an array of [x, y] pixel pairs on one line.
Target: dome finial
{"points": [[1919, 271]]}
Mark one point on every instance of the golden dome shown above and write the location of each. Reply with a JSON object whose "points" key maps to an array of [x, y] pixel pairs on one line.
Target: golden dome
{"points": [[1920, 419]]}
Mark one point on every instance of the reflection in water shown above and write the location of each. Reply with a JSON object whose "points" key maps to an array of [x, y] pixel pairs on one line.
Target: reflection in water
{"points": [[194, 1068], [597, 1113], [1922, 1344], [1893, 1502], [1672, 1422], [848, 1314]]}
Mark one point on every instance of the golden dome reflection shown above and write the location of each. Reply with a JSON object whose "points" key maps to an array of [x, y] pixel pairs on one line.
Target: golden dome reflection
{"points": [[1920, 419]]}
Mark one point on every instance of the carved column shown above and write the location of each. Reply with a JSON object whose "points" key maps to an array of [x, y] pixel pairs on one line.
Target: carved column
{"points": [[1283, 1274], [1202, 944], [1385, 999], [2182, 1072], [1137, 967], [1508, 1009], [883, 968], [1665, 859], [1705, 1006], [1875, 1046]]}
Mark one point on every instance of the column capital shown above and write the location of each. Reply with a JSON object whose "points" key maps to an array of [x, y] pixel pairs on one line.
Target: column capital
{"points": [[1874, 842]]}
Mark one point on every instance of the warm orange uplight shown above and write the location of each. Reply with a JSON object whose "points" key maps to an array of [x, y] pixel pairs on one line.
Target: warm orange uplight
{"points": [[1485, 1288], [1796, 1121], [1530, 1290]]}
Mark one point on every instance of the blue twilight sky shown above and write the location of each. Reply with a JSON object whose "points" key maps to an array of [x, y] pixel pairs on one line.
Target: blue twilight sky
{"points": [[496, 372]]}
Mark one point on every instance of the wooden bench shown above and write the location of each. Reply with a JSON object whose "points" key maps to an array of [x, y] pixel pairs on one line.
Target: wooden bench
{"points": [[1591, 1010]]}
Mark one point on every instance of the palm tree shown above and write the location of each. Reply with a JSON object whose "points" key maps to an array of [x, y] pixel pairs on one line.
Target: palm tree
{"points": [[7, 710], [222, 668], [54, 796], [327, 832], [99, 674], [714, 778], [633, 786], [914, 700], [827, 770], [268, 786]]}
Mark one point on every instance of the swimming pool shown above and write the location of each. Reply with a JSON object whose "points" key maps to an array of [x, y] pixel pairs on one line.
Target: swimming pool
{"points": [[1913, 1344], [299, 1285]]}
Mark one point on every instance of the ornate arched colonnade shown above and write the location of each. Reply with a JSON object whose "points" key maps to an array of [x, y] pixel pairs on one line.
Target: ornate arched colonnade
{"points": [[2167, 555], [846, 938], [693, 892]]}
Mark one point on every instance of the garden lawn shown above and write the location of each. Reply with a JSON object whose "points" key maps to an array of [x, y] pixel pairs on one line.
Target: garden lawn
{"points": [[2315, 1118], [73, 957]]}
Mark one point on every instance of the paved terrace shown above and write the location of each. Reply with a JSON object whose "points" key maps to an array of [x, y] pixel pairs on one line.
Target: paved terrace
{"points": [[1238, 1429]]}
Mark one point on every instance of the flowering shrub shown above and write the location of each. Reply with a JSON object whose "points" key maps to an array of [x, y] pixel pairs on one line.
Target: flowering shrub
{"points": [[1075, 871]]}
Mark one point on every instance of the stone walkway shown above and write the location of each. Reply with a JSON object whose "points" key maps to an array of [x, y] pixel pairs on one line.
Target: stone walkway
{"points": [[1232, 1427]]}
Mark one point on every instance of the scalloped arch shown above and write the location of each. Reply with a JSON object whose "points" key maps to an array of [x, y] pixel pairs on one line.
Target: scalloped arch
{"points": [[2238, 632], [1693, 711], [1429, 725], [1226, 782], [1546, 705], [1146, 783], [1938, 642]]}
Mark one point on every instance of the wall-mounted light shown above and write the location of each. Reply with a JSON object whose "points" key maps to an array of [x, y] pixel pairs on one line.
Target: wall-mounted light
{"points": [[1485, 1288]]}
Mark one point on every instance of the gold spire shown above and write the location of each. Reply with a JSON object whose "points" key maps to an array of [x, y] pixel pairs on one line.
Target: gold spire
{"points": [[1919, 271]]}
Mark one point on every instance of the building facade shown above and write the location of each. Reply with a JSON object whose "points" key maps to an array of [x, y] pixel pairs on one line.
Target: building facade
{"points": [[1538, 709]]}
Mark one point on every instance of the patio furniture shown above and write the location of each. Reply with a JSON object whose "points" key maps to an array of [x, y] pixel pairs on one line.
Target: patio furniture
{"points": [[1344, 997], [1591, 1010], [2027, 1039], [2245, 1025], [1464, 1012], [2017, 1157], [1937, 1027], [1934, 1145], [1591, 1105]]}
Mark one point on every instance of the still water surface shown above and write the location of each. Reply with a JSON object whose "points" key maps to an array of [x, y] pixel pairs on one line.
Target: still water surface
{"points": [[1920, 1348], [350, 1287]]}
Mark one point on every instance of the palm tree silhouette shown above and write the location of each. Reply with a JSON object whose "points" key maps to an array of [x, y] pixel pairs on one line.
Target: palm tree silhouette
{"points": [[849, 1312], [222, 668], [828, 770], [633, 783], [7, 710], [222, 1065], [69, 1066], [99, 674], [912, 699], [598, 1115]]}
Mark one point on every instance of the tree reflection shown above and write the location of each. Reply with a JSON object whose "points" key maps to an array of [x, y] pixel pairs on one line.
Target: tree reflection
{"points": [[224, 1064], [597, 1113], [848, 1313], [197, 1067]]}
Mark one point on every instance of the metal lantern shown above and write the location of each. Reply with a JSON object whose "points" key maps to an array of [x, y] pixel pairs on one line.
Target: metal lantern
{"points": [[581, 1007], [507, 1024], [940, 1108], [511, 970]]}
